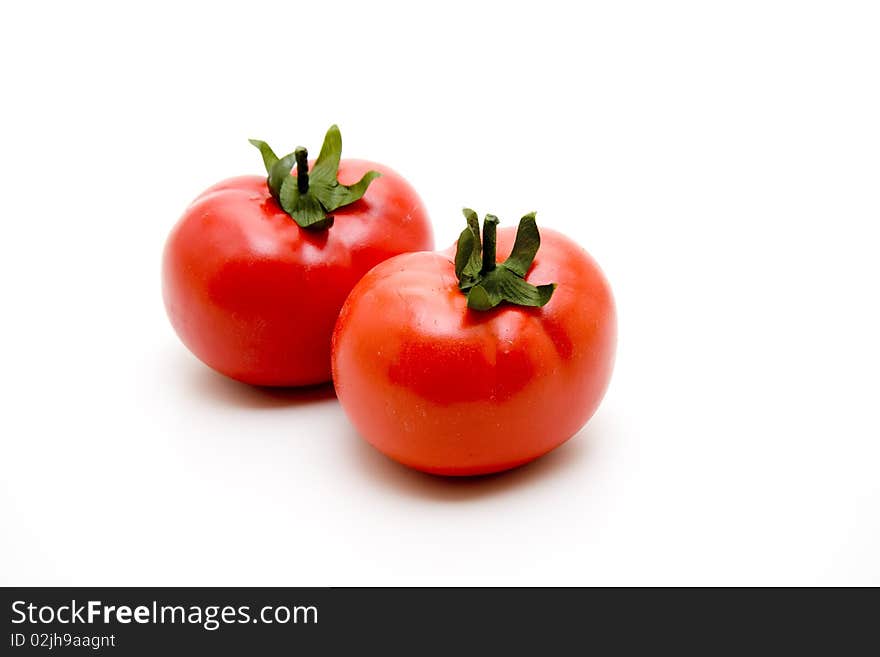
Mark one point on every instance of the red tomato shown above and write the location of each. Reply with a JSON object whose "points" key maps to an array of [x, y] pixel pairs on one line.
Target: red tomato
{"points": [[450, 390], [255, 296]]}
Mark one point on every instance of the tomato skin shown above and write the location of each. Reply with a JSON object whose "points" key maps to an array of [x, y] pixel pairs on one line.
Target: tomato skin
{"points": [[453, 391], [255, 297]]}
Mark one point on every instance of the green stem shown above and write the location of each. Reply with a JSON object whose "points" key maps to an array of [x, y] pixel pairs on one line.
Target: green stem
{"points": [[302, 169], [490, 223], [487, 284], [310, 197]]}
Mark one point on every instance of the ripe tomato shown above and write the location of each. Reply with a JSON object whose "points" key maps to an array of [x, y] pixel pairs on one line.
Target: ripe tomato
{"points": [[254, 294], [455, 380]]}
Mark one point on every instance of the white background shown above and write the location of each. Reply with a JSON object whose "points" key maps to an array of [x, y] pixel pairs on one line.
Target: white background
{"points": [[720, 160]]}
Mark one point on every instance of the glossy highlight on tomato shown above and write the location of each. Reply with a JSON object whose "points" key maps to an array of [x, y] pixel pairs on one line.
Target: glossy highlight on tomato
{"points": [[255, 296], [452, 390]]}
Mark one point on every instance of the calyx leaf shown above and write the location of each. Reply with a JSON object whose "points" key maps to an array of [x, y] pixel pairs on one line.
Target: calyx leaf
{"points": [[487, 284], [310, 197]]}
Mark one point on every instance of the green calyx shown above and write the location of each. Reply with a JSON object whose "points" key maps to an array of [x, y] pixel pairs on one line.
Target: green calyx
{"points": [[311, 196], [488, 284]]}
